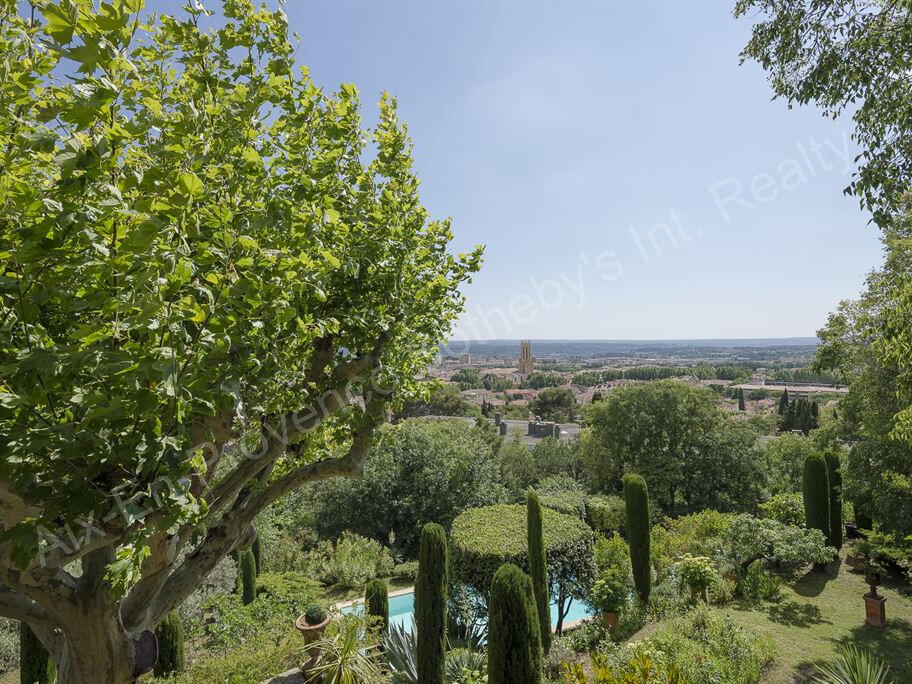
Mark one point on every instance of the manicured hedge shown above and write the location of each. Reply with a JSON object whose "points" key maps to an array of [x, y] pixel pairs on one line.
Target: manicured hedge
{"points": [[483, 539]]}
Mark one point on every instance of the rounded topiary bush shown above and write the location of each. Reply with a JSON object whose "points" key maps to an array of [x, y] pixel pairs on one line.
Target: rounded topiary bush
{"points": [[482, 539], [170, 636], [514, 637]]}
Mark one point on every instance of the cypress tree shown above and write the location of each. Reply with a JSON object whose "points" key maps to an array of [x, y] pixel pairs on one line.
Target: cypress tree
{"points": [[538, 566], [636, 499], [376, 601], [514, 636], [740, 398], [257, 553], [834, 479], [816, 491], [35, 665], [170, 635], [430, 603], [248, 577], [783, 402]]}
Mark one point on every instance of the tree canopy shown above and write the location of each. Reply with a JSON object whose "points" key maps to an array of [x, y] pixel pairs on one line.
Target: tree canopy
{"points": [[211, 290], [846, 54]]}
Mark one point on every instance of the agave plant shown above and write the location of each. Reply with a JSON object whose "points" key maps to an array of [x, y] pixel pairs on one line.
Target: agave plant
{"points": [[466, 634], [402, 653], [464, 666], [853, 666]]}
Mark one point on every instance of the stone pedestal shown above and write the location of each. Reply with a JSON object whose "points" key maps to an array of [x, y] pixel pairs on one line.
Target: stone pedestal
{"points": [[875, 612]]}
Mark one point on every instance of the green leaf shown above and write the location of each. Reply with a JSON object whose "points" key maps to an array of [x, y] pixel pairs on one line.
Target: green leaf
{"points": [[190, 183]]}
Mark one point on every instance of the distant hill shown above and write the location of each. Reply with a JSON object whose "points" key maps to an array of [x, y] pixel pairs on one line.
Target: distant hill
{"points": [[748, 347]]}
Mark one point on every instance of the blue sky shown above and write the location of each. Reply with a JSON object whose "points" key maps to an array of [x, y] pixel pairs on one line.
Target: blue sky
{"points": [[628, 178]]}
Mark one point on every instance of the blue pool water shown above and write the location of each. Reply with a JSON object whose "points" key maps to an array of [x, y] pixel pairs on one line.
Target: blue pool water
{"points": [[402, 606]]}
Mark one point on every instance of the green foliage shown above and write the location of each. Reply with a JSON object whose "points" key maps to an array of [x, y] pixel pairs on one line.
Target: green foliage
{"points": [[514, 637], [407, 571], [783, 402], [483, 539], [542, 380], [430, 603], [741, 399], [464, 666], [248, 576], [293, 589], [439, 400], [697, 572], [665, 431], [749, 538], [35, 664], [606, 513], [758, 583], [834, 480], [557, 457], [467, 378], [195, 237], [349, 652], [843, 58], [816, 492], [636, 499], [786, 454], [785, 508], [563, 494], [610, 592], [314, 614], [349, 562], [517, 467], [800, 415], [170, 636], [257, 554], [376, 602], [556, 404], [853, 666], [451, 464], [401, 649], [538, 566], [612, 554]]}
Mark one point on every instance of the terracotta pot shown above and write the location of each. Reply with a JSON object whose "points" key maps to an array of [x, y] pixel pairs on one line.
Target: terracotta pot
{"points": [[875, 612], [610, 620], [311, 634]]}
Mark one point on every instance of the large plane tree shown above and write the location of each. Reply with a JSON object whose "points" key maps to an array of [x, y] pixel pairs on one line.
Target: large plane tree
{"points": [[213, 280]]}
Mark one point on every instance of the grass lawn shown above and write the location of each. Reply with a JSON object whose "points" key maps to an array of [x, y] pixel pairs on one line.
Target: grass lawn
{"points": [[817, 613]]}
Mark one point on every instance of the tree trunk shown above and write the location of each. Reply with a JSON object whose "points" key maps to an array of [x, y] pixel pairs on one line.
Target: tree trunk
{"points": [[93, 648]]}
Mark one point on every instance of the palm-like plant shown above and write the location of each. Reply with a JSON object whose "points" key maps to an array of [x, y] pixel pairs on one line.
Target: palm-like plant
{"points": [[349, 654], [853, 666]]}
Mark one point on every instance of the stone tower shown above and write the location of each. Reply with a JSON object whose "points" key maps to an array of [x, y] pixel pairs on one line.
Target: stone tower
{"points": [[526, 362]]}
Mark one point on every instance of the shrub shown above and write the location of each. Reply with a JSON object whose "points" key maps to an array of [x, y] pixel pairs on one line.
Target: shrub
{"points": [[834, 480], [606, 514], [257, 554], [466, 667], [407, 571], [785, 508], [351, 562], [376, 601], [292, 589], [750, 538], [401, 649], [538, 569], [514, 636], [759, 583], [349, 652], [612, 553], [610, 593], [35, 665], [485, 538], [697, 572], [636, 500], [853, 666], [314, 614], [248, 577], [430, 603], [170, 636], [816, 491]]}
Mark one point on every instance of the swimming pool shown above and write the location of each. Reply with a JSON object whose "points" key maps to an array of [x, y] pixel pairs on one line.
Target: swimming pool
{"points": [[402, 606]]}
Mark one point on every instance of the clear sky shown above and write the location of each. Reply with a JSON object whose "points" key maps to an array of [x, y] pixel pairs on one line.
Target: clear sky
{"points": [[628, 177]]}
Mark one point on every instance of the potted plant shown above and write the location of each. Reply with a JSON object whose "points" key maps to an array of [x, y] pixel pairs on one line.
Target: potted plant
{"points": [[698, 573], [312, 623], [610, 594]]}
